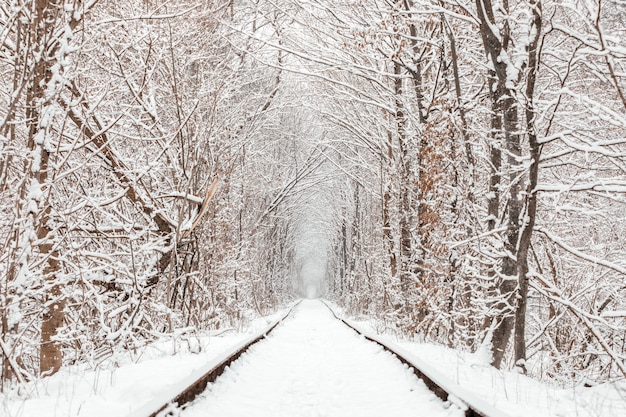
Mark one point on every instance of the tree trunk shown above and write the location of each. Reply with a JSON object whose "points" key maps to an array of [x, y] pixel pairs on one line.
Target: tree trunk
{"points": [[495, 156], [519, 339], [404, 203], [504, 107], [386, 204], [42, 34]]}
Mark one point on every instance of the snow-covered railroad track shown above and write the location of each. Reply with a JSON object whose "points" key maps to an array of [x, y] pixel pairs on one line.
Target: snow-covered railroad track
{"points": [[441, 386], [188, 389], [314, 365]]}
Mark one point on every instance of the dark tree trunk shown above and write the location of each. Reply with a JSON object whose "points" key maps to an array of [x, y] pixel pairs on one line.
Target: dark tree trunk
{"points": [[505, 107], [531, 193]]}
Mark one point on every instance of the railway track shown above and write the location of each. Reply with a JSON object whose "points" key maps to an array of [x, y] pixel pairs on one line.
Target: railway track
{"points": [[187, 390], [437, 383]]}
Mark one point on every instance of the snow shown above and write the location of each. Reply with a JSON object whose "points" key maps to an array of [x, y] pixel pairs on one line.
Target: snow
{"points": [[122, 383], [311, 365], [510, 392], [173, 390], [314, 365], [458, 394], [73, 392], [517, 394]]}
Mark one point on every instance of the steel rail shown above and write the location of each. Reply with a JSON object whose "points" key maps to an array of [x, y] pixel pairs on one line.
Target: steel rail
{"points": [[440, 385], [189, 388]]}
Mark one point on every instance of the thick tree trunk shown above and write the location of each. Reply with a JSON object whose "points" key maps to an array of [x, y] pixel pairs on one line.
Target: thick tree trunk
{"points": [[50, 353], [46, 14], [500, 332], [504, 106], [531, 193], [507, 306]]}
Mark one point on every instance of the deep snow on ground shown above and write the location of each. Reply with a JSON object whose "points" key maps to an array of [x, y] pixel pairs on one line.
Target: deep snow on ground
{"points": [[313, 365], [122, 383], [515, 394], [322, 373]]}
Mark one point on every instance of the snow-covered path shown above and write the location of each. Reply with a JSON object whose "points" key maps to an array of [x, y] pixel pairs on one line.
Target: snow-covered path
{"points": [[313, 365]]}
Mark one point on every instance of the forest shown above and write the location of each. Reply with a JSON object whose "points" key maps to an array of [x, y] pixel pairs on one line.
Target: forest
{"points": [[454, 169]]}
